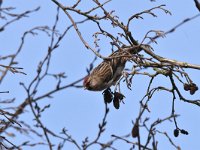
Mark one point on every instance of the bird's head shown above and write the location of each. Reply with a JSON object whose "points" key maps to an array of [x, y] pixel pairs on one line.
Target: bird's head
{"points": [[86, 83]]}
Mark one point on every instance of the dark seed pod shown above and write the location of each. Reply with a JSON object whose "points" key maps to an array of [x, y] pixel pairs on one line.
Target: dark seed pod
{"points": [[107, 95], [193, 88], [192, 91], [176, 132], [186, 87], [119, 95], [184, 132], [135, 131], [117, 98], [193, 84], [116, 102]]}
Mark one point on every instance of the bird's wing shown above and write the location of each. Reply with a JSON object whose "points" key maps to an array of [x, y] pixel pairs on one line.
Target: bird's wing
{"points": [[104, 71], [107, 69], [116, 62]]}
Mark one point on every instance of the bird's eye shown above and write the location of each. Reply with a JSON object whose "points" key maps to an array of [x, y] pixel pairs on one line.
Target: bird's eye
{"points": [[88, 86]]}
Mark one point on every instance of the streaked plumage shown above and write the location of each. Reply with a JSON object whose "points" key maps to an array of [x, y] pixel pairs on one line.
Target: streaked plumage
{"points": [[106, 73]]}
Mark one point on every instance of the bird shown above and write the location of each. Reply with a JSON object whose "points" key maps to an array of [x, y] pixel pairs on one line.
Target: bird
{"points": [[108, 72]]}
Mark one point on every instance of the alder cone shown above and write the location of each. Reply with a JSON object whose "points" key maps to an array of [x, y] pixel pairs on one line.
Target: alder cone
{"points": [[176, 132], [116, 103], [186, 87], [184, 132], [108, 96], [135, 131], [118, 97]]}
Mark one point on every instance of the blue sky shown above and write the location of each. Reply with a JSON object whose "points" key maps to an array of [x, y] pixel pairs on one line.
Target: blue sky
{"points": [[79, 110]]}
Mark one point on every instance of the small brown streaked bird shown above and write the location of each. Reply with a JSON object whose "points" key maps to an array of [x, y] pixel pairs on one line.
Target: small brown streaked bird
{"points": [[108, 72]]}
